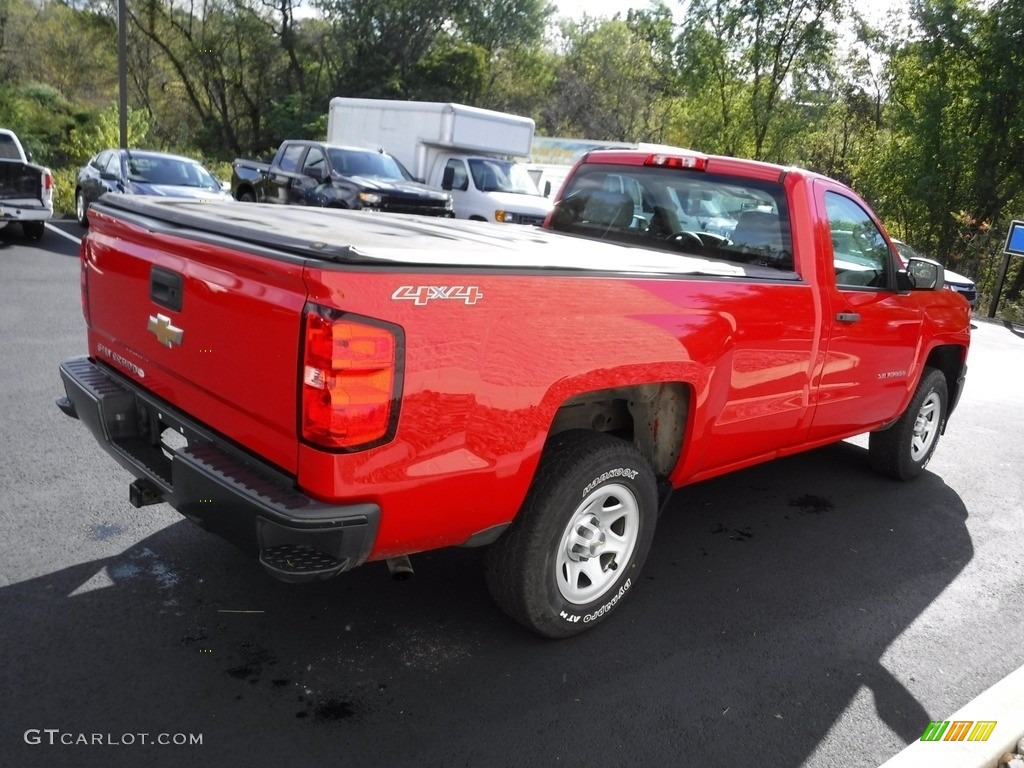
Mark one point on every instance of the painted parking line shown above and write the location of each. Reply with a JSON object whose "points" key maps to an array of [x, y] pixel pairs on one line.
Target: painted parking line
{"points": [[66, 235], [959, 742]]}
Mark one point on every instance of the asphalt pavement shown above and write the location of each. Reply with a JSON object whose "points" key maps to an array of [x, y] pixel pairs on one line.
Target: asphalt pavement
{"points": [[806, 612]]}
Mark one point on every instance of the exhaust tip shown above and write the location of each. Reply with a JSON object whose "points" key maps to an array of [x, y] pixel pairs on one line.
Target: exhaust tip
{"points": [[400, 567]]}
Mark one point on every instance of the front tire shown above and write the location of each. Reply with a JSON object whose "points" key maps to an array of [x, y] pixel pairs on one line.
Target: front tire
{"points": [[81, 209], [903, 450], [576, 548]]}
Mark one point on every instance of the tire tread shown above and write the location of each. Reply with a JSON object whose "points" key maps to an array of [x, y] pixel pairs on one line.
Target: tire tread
{"points": [[888, 450], [510, 579]]}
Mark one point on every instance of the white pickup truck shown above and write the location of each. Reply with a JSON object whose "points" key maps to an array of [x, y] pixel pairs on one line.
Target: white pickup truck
{"points": [[26, 189]]}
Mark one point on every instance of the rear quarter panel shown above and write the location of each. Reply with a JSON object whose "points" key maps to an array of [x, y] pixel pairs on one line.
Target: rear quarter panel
{"points": [[483, 381]]}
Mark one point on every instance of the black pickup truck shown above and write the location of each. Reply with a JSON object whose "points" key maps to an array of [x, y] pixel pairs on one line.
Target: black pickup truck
{"points": [[331, 176]]}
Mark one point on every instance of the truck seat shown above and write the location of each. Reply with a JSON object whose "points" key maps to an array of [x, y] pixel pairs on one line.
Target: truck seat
{"points": [[608, 209]]}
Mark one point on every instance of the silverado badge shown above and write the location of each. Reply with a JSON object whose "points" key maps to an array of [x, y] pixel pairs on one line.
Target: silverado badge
{"points": [[161, 327]]}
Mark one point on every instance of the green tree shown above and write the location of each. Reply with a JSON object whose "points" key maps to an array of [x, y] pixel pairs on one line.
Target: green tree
{"points": [[226, 65], [616, 79], [104, 131], [745, 57]]}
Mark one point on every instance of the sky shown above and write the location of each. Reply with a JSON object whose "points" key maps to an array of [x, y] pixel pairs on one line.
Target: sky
{"points": [[576, 8]]}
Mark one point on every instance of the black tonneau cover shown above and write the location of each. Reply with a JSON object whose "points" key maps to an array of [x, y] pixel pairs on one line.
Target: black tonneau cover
{"points": [[369, 238]]}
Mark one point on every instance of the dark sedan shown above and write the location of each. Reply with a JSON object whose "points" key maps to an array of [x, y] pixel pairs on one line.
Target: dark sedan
{"points": [[140, 172]]}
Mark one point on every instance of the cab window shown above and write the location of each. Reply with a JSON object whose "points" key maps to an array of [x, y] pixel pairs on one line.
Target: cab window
{"points": [[460, 179], [727, 218], [314, 165], [860, 254], [290, 157]]}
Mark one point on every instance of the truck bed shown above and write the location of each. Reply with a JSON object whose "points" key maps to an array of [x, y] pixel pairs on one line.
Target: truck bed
{"points": [[367, 238], [20, 181]]}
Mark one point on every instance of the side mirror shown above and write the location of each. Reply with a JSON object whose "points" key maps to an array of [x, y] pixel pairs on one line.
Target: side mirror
{"points": [[924, 275], [447, 178], [547, 189]]}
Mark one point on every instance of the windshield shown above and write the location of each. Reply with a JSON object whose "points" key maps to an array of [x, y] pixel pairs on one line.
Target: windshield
{"points": [[702, 214], [492, 175], [169, 171], [354, 162]]}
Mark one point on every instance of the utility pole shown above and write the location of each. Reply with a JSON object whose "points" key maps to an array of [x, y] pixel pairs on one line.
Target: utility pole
{"points": [[122, 70]]}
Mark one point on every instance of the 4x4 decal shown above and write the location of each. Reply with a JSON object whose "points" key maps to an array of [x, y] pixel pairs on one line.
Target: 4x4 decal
{"points": [[421, 294]]}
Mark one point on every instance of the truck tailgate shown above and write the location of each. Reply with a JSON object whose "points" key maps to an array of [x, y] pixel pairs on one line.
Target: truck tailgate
{"points": [[212, 330], [19, 181]]}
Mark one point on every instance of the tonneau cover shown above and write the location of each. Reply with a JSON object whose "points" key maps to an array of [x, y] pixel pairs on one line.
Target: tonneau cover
{"points": [[369, 238]]}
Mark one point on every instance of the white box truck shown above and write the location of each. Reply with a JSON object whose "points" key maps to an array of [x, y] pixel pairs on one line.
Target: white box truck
{"points": [[466, 151]]}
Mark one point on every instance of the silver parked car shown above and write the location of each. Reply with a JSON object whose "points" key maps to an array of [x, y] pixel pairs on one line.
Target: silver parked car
{"points": [[954, 281], [141, 172]]}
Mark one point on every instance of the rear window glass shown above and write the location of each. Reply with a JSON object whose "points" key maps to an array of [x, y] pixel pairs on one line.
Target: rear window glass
{"points": [[692, 212], [8, 149]]}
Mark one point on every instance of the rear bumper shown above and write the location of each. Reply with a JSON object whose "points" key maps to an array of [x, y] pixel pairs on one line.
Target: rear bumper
{"points": [[21, 210], [214, 483]]}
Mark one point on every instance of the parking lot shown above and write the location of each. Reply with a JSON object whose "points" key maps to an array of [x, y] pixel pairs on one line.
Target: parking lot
{"points": [[803, 613]]}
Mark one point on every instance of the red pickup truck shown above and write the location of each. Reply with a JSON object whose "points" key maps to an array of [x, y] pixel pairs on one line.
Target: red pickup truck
{"points": [[326, 388]]}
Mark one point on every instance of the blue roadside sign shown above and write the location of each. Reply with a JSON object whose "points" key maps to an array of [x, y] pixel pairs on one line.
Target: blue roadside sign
{"points": [[1014, 247], [1015, 239]]}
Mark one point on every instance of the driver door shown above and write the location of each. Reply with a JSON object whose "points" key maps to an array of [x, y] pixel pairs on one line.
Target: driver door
{"points": [[873, 331]]}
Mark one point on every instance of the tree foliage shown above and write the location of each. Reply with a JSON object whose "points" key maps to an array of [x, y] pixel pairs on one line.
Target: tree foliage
{"points": [[749, 61], [615, 79]]}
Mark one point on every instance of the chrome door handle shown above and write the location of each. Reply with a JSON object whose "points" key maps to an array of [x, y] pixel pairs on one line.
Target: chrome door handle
{"points": [[848, 317]]}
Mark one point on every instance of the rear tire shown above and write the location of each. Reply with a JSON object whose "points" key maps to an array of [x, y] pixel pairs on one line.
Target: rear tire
{"points": [[247, 196], [903, 450], [576, 548], [33, 230]]}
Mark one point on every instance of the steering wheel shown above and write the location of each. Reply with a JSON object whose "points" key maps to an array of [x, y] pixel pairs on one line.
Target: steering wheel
{"points": [[685, 240]]}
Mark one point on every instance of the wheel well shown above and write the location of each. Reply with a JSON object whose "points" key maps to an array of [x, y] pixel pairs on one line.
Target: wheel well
{"points": [[949, 360], [651, 416], [241, 189]]}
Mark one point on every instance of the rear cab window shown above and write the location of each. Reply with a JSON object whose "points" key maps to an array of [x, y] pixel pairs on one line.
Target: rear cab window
{"points": [[708, 215], [290, 158], [8, 149]]}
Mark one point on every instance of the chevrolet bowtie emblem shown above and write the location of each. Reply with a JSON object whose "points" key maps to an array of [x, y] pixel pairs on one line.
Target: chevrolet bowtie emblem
{"points": [[160, 326]]}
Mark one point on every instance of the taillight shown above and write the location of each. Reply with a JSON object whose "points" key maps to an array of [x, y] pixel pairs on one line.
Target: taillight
{"points": [[350, 379], [83, 278]]}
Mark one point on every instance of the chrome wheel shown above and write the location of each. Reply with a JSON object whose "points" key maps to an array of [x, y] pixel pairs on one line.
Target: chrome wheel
{"points": [[80, 207], [926, 426], [574, 552], [904, 449], [601, 536]]}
